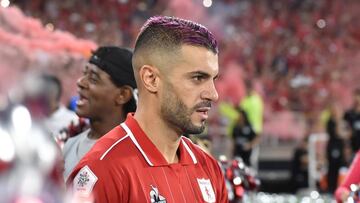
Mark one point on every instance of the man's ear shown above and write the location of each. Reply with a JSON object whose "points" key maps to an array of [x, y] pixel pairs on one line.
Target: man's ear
{"points": [[149, 76], [124, 95]]}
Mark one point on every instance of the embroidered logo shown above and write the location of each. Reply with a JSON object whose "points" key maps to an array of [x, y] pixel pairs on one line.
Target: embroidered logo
{"points": [[155, 197], [207, 190], [84, 181]]}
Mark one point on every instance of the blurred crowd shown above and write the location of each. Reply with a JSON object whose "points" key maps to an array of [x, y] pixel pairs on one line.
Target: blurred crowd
{"points": [[277, 39], [299, 53]]}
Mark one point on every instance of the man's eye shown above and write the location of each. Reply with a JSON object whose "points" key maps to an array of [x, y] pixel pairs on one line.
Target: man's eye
{"points": [[198, 78], [92, 80]]}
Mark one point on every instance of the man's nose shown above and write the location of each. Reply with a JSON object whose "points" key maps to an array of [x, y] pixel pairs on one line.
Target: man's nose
{"points": [[210, 93], [81, 82]]}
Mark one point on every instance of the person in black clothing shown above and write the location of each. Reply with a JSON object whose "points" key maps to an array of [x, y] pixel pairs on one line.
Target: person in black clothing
{"points": [[352, 117], [335, 147], [243, 135], [299, 166]]}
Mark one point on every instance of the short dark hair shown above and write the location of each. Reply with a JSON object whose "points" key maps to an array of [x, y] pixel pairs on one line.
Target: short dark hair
{"points": [[170, 33]]}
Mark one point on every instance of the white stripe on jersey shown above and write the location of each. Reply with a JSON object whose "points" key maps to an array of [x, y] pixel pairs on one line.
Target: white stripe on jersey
{"points": [[112, 146], [189, 150], [128, 131]]}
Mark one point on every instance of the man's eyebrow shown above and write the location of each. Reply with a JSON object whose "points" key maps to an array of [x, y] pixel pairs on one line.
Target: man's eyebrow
{"points": [[95, 73], [202, 73]]}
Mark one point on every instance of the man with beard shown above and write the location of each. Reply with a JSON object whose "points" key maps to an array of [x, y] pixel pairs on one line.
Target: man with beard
{"points": [[105, 97], [146, 158]]}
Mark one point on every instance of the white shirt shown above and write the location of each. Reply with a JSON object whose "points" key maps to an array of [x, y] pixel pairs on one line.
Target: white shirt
{"points": [[74, 150], [59, 120]]}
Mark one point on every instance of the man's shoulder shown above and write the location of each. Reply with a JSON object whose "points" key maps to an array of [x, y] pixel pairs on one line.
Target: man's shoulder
{"points": [[115, 139], [102, 153], [78, 136], [71, 142]]}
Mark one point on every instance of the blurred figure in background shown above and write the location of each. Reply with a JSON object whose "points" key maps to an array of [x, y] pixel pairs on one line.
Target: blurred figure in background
{"points": [[58, 116], [33, 161], [352, 117], [253, 106], [106, 96], [299, 166], [72, 103], [243, 135], [335, 148]]}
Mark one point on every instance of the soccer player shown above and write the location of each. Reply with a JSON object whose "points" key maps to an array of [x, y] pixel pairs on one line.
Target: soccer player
{"points": [[105, 97], [146, 158]]}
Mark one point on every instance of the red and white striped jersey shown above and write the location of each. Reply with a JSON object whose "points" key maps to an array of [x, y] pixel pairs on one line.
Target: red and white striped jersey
{"points": [[125, 166]]}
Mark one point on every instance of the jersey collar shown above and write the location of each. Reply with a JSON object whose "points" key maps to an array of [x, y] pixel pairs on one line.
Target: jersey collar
{"points": [[149, 151]]}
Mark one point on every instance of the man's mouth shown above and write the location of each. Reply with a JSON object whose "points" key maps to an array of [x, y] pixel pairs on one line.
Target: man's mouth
{"points": [[203, 111], [82, 100]]}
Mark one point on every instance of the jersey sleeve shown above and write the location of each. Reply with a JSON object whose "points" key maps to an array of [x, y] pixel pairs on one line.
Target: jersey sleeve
{"points": [[94, 182]]}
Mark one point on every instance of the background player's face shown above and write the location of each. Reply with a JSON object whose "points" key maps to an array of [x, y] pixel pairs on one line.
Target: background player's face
{"points": [[97, 93], [188, 90]]}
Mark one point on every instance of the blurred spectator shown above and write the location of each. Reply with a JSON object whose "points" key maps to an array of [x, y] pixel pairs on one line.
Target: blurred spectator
{"points": [[58, 117], [106, 95], [352, 117], [299, 167], [72, 103], [335, 148], [303, 52], [33, 159], [243, 135], [253, 106]]}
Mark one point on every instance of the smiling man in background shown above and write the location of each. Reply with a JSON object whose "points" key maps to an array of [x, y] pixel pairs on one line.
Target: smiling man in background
{"points": [[106, 95]]}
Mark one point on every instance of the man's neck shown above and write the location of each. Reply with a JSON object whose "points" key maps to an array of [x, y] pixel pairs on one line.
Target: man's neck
{"points": [[164, 138], [98, 128]]}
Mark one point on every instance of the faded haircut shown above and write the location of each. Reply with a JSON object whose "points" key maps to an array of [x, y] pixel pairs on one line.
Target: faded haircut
{"points": [[167, 34]]}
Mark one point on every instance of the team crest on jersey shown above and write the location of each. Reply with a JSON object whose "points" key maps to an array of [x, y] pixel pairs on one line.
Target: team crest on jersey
{"points": [[155, 197], [206, 190], [84, 181]]}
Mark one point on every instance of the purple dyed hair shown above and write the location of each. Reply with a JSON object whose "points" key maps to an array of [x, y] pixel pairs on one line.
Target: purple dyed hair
{"points": [[171, 32]]}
